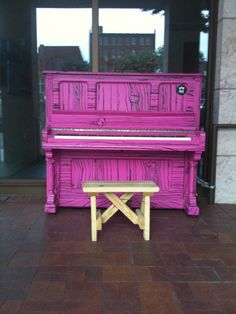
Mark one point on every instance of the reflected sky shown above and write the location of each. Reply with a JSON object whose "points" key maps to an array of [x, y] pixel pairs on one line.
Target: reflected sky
{"points": [[71, 27]]}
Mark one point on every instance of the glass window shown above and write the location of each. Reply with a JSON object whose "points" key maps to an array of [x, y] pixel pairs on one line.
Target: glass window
{"points": [[147, 41], [60, 46], [113, 41], [177, 34], [141, 41], [135, 35], [100, 40], [133, 41], [119, 41], [105, 40]]}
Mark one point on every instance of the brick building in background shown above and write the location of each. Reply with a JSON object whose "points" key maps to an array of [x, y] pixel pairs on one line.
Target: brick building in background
{"points": [[112, 46], [58, 57]]}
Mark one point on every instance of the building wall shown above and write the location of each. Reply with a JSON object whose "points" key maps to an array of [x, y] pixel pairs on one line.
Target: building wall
{"points": [[225, 103], [113, 46], [59, 58]]}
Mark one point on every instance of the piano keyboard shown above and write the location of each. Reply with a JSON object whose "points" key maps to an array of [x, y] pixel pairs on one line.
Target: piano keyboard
{"points": [[127, 138], [117, 130]]}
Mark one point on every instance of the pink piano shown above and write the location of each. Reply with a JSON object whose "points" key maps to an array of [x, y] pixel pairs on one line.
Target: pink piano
{"points": [[116, 126]]}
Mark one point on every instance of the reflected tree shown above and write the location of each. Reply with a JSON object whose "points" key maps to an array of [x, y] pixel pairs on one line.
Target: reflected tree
{"points": [[143, 61], [204, 17]]}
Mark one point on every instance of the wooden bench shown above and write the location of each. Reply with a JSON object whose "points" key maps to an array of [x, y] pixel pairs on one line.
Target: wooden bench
{"points": [[141, 217]]}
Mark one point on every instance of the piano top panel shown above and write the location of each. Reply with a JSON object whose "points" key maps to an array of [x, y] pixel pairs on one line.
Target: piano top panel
{"points": [[118, 100]]}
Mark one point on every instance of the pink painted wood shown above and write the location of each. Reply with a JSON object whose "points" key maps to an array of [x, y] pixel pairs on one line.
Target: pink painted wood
{"points": [[139, 108]]}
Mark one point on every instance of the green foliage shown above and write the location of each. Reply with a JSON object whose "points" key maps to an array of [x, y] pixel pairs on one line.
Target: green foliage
{"points": [[204, 18], [154, 11], [201, 57], [76, 66], [143, 61], [204, 22]]}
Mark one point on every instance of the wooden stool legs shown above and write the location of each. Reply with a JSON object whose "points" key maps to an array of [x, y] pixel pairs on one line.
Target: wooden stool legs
{"points": [[93, 217], [142, 218], [146, 214]]}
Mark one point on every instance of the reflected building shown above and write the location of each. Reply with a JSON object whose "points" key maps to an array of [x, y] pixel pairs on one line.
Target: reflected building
{"points": [[58, 58], [113, 46]]}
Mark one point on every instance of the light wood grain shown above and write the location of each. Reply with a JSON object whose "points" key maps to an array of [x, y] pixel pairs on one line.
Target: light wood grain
{"points": [[99, 220], [120, 186], [93, 218], [111, 210], [146, 232], [140, 219], [122, 207]]}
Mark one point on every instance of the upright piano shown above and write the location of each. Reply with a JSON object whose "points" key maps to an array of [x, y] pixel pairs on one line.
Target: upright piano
{"points": [[121, 126]]}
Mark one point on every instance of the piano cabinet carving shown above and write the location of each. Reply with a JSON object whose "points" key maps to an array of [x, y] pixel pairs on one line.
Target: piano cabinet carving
{"points": [[122, 127]]}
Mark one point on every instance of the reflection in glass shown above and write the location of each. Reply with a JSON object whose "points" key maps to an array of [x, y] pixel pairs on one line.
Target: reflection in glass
{"points": [[61, 46], [132, 44], [172, 38]]}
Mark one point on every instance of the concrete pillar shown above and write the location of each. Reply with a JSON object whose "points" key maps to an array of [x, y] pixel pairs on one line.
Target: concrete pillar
{"points": [[225, 103], [182, 27]]}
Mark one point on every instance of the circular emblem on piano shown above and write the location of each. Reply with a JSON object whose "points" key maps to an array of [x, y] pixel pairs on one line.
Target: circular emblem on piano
{"points": [[181, 89]]}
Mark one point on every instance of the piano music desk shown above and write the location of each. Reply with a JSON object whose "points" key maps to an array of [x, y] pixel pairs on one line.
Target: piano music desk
{"points": [[128, 188]]}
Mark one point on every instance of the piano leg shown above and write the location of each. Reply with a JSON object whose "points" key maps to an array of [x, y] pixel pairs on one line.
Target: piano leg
{"points": [[50, 206], [190, 204], [192, 210]]}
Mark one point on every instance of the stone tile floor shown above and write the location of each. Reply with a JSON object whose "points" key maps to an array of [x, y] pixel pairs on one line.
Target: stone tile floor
{"points": [[49, 265]]}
